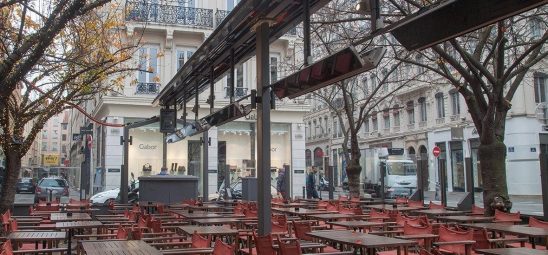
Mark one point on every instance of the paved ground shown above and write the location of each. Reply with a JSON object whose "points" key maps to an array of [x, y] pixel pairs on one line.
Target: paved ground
{"points": [[531, 205]]}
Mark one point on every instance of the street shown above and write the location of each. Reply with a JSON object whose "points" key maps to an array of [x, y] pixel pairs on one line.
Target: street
{"points": [[74, 194]]}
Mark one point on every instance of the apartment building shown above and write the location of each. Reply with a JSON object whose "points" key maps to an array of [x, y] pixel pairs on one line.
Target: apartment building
{"points": [[171, 33]]}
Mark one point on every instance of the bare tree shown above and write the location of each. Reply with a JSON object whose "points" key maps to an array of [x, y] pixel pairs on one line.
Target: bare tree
{"points": [[53, 58]]}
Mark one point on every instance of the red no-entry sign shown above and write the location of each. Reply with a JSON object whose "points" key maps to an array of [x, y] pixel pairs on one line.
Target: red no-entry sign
{"points": [[436, 151]]}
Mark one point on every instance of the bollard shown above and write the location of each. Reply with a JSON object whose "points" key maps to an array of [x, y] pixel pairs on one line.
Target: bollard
{"points": [[50, 194], [304, 192]]}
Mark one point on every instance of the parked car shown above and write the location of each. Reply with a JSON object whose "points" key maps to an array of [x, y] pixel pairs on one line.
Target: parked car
{"points": [[57, 186], [104, 197], [324, 184], [25, 184]]}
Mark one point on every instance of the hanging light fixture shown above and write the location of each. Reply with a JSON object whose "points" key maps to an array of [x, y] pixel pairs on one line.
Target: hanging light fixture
{"points": [[364, 7]]}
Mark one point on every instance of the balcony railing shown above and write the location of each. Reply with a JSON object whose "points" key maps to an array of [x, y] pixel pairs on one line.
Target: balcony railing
{"points": [[220, 15], [422, 124], [169, 14], [411, 126], [239, 92], [440, 120], [144, 88]]}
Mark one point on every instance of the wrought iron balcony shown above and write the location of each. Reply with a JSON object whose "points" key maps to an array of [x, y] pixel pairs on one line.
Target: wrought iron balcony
{"points": [[238, 92], [150, 88], [169, 14], [220, 15]]}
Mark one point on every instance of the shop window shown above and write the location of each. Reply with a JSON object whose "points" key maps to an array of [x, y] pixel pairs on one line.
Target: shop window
{"points": [[457, 166]]}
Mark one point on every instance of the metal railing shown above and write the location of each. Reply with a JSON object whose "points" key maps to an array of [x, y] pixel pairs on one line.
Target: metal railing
{"points": [[169, 14], [147, 88], [220, 15], [238, 92]]}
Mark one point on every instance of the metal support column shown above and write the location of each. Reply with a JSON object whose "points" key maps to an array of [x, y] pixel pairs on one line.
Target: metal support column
{"points": [[124, 175], [383, 177], [468, 166], [263, 127], [205, 166], [231, 77], [306, 32], [443, 180], [164, 151], [544, 182]]}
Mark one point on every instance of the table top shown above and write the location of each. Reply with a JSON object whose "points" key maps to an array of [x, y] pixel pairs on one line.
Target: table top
{"points": [[440, 212], [215, 221], [209, 230], [356, 223], [57, 217], [36, 235], [512, 229], [78, 224], [512, 251], [137, 247], [360, 239], [334, 216], [466, 218], [302, 211], [197, 214], [279, 204], [391, 208]]}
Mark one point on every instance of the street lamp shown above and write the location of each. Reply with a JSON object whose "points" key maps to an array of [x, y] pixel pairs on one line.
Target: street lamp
{"points": [[364, 7]]}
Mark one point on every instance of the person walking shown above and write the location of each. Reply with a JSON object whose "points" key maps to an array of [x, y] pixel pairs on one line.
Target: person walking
{"points": [[311, 184], [280, 184]]}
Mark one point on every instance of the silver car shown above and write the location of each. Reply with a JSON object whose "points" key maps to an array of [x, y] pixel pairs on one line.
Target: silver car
{"points": [[56, 186]]}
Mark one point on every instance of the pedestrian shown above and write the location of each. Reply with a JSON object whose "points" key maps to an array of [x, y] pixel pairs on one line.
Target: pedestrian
{"points": [[311, 184], [280, 184]]}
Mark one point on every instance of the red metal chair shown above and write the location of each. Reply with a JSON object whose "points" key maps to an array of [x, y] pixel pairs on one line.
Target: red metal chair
{"points": [[121, 233], [415, 204], [263, 245], [200, 242], [6, 221], [289, 247], [435, 206], [536, 223], [301, 228], [503, 217], [477, 210], [222, 248], [455, 242], [401, 200]]}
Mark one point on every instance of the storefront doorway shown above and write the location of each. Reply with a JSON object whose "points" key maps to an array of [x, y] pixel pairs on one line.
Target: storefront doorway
{"points": [[476, 169], [457, 166]]}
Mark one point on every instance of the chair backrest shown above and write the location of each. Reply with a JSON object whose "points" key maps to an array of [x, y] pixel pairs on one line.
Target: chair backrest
{"points": [[401, 219], [448, 235], [482, 239], [401, 200], [13, 225], [160, 208], [121, 233], [222, 248], [501, 216], [415, 204], [279, 224], [332, 207], [136, 233], [343, 198], [263, 244], [199, 241], [301, 228], [290, 247], [156, 226], [6, 219], [249, 213], [435, 206], [7, 249], [477, 210], [412, 229], [534, 222]]}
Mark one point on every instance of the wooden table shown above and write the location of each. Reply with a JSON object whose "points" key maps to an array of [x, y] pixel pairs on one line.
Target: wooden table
{"points": [[219, 231], [196, 215], [436, 212], [512, 251], [390, 208], [59, 217], [72, 225], [118, 247], [36, 237], [334, 216], [216, 221], [363, 241], [292, 205], [302, 211], [465, 218], [520, 230], [357, 224]]}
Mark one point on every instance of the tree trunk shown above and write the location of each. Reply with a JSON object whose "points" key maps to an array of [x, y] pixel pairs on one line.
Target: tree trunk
{"points": [[13, 166], [493, 172], [353, 171]]}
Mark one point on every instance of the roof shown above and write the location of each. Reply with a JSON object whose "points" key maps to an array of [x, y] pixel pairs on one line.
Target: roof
{"points": [[235, 32]]}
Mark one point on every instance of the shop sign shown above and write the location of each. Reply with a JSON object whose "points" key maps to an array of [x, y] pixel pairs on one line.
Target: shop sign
{"points": [[147, 147], [251, 117], [51, 160]]}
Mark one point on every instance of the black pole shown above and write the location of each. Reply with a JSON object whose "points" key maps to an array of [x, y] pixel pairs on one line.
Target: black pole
{"points": [[164, 151], [306, 32], [331, 183], [383, 175], [443, 181], [262, 31], [124, 174], [231, 77], [469, 177]]}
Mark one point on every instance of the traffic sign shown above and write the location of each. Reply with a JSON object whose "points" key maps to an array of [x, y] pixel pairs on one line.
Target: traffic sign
{"points": [[436, 151]]}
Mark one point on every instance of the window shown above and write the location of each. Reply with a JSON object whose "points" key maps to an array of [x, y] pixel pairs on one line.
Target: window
{"points": [[148, 64], [420, 69], [540, 87], [315, 125], [373, 82], [455, 103], [63, 137], [339, 129], [396, 116], [386, 118], [230, 4], [44, 146], [240, 76], [335, 130], [64, 126], [183, 55], [536, 28], [374, 121], [326, 126], [365, 86], [410, 112], [274, 62], [440, 104], [54, 146], [422, 109], [44, 134], [366, 126], [64, 148], [55, 134], [385, 85]]}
